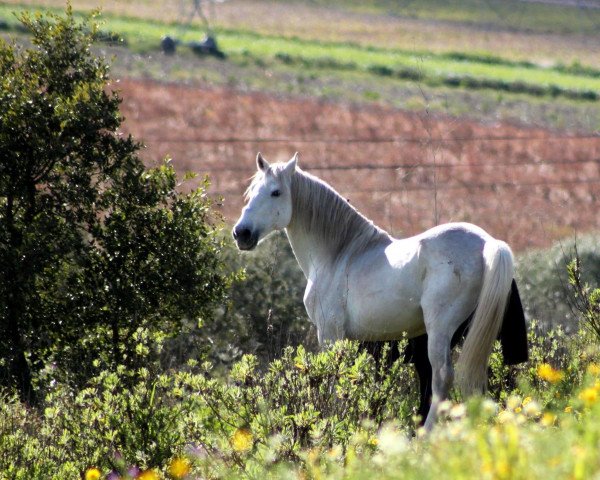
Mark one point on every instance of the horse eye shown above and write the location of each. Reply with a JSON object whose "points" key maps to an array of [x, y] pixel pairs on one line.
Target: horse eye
{"points": [[275, 193]]}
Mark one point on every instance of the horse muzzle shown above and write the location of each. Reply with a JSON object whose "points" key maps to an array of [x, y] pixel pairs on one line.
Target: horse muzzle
{"points": [[245, 238]]}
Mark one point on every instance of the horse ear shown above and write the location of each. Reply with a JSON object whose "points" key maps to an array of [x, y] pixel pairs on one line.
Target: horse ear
{"points": [[290, 166], [261, 163]]}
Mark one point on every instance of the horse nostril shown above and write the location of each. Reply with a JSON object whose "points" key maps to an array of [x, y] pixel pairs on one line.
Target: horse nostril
{"points": [[242, 234]]}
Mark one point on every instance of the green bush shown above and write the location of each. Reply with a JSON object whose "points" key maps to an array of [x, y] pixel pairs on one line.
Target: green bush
{"points": [[93, 245], [332, 414], [144, 418], [265, 312], [544, 285], [586, 299], [312, 399]]}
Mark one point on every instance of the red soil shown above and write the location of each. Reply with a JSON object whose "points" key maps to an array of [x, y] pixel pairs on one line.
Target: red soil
{"points": [[406, 171]]}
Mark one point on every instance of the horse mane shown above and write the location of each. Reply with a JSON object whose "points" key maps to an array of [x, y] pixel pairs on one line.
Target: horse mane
{"points": [[319, 209]]}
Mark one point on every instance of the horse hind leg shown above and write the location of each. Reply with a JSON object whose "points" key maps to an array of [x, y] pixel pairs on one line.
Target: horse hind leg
{"points": [[440, 358], [416, 352], [442, 320]]}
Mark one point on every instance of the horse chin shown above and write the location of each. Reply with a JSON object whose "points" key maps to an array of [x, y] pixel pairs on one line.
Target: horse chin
{"points": [[247, 247], [249, 244]]}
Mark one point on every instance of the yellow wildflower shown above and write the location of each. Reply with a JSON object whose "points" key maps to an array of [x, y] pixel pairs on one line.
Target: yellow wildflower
{"points": [[242, 439], [527, 400], [373, 441], [300, 366], [546, 372], [179, 467], [148, 475], [593, 369], [548, 419], [502, 468], [92, 474], [568, 409], [589, 396]]}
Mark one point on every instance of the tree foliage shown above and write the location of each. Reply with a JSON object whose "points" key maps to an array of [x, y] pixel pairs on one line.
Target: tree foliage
{"points": [[93, 246]]}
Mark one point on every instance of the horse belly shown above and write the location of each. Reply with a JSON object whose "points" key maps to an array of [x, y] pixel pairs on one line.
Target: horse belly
{"points": [[385, 320], [385, 304]]}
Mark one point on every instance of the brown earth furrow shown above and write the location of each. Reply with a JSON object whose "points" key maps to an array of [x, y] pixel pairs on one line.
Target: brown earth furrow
{"points": [[406, 171]]}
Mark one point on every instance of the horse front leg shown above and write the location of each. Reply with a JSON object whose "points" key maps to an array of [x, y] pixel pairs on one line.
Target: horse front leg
{"points": [[418, 356]]}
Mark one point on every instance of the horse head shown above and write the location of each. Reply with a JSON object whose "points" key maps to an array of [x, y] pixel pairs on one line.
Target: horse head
{"points": [[268, 203]]}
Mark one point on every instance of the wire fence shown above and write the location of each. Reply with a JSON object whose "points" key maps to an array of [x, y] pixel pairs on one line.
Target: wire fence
{"points": [[514, 185], [580, 160], [400, 166], [425, 140]]}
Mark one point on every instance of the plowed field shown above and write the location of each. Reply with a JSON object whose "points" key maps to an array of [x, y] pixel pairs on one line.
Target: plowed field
{"points": [[406, 171]]}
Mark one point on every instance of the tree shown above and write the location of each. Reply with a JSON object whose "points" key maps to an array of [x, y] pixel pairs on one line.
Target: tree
{"points": [[93, 246]]}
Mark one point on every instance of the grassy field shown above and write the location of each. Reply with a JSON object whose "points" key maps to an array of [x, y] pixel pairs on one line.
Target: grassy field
{"points": [[308, 416], [459, 70], [507, 14], [500, 28]]}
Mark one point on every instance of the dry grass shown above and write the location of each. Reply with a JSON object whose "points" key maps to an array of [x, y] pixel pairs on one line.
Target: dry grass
{"points": [[335, 24]]}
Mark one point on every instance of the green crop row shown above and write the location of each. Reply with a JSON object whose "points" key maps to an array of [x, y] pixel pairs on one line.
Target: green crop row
{"points": [[459, 69]]}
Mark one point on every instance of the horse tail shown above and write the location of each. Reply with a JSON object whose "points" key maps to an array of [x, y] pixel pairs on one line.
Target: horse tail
{"points": [[487, 320]]}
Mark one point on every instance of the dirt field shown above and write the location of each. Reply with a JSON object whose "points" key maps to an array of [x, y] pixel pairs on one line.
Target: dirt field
{"points": [[405, 171]]}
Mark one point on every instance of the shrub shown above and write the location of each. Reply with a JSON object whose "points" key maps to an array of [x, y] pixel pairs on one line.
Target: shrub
{"points": [[92, 245], [333, 414], [143, 418], [586, 299], [543, 281], [311, 400], [265, 312]]}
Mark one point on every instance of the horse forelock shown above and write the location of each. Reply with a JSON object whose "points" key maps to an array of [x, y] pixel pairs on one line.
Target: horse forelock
{"points": [[320, 210], [259, 176], [254, 181]]}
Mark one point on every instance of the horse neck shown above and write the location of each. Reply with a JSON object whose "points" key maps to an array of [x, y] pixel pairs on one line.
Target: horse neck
{"points": [[324, 227]]}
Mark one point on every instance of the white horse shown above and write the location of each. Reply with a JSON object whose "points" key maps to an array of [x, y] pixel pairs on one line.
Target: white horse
{"points": [[363, 284]]}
